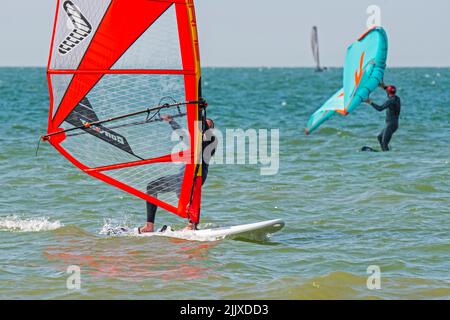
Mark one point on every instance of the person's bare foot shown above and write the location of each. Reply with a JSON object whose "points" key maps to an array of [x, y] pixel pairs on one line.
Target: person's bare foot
{"points": [[149, 227], [191, 227]]}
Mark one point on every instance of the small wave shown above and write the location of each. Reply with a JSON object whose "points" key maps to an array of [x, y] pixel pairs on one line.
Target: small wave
{"points": [[19, 224]]}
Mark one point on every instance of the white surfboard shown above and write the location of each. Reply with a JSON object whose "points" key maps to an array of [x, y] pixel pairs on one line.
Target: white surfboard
{"points": [[255, 231]]}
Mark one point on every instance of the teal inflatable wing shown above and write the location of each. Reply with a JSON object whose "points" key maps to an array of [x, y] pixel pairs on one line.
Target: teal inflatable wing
{"points": [[364, 68], [333, 105]]}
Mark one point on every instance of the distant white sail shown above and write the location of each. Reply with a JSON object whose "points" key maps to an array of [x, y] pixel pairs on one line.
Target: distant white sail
{"points": [[315, 47]]}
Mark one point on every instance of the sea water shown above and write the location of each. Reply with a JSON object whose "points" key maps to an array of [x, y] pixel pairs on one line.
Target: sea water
{"points": [[347, 212]]}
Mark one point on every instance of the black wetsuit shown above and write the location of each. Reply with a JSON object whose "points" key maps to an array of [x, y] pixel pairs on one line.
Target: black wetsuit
{"points": [[172, 183], [393, 108]]}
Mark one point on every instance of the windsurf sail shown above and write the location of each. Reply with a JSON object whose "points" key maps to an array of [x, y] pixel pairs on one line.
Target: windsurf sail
{"points": [[117, 71], [364, 68], [315, 47]]}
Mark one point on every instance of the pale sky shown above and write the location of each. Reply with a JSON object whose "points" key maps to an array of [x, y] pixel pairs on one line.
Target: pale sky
{"points": [[263, 32]]}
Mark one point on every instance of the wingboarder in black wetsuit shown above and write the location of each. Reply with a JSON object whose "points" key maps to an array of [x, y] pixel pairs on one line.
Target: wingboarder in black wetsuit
{"points": [[393, 108], [173, 182]]}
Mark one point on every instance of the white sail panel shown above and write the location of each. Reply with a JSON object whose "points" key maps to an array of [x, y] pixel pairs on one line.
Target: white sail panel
{"points": [[157, 48], [161, 180], [60, 83], [116, 95], [93, 11]]}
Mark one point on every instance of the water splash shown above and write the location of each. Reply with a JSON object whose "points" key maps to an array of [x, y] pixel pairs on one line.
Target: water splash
{"points": [[19, 224], [112, 228], [116, 227]]}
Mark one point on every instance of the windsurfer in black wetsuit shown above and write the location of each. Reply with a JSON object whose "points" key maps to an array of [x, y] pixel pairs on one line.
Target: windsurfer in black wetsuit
{"points": [[173, 182], [393, 108]]}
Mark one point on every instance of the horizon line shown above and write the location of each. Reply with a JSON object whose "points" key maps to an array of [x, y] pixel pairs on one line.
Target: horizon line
{"points": [[256, 67]]}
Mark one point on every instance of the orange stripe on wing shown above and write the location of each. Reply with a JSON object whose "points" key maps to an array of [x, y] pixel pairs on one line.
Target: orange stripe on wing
{"points": [[359, 73]]}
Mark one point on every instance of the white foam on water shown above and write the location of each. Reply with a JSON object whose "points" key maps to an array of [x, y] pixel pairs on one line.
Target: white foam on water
{"points": [[113, 228], [19, 224]]}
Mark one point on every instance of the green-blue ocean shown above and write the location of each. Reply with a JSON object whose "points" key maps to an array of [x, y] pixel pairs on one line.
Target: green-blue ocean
{"points": [[345, 210]]}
